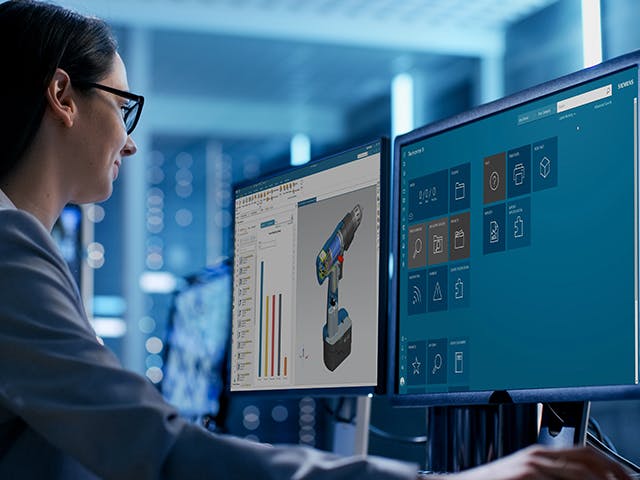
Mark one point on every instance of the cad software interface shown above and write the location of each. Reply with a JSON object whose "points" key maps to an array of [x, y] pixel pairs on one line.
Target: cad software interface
{"points": [[305, 283], [517, 247]]}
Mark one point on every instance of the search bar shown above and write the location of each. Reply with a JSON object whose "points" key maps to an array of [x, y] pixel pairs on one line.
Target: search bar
{"points": [[584, 98]]}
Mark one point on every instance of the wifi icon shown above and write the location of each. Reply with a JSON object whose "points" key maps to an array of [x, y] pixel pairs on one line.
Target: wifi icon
{"points": [[416, 293], [416, 298]]}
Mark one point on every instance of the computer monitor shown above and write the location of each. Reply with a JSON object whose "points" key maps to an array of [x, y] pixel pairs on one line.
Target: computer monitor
{"points": [[67, 233], [516, 247], [195, 355], [309, 277]]}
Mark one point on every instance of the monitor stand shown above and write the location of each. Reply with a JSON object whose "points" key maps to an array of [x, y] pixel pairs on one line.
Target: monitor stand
{"points": [[352, 438], [467, 436], [564, 424]]}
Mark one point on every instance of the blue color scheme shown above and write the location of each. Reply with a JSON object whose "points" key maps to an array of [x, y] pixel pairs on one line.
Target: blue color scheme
{"points": [[428, 196], [417, 363], [417, 299], [437, 361], [460, 187], [460, 285], [519, 223], [269, 223], [560, 296], [342, 315], [519, 171], [494, 229], [545, 164], [196, 345], [437, 289], [459, 361], [308, 201]]}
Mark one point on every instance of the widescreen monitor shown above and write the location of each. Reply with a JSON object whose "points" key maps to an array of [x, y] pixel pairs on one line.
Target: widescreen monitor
{"points": [[516, 247], [309, 277]]}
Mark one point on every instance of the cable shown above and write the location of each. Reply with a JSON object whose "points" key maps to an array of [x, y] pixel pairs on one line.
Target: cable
{"points": [[421, 440], [595, 425], [334, 412], [596, 443], [418, 440]]}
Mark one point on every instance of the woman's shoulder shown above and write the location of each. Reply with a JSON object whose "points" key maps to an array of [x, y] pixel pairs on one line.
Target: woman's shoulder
{"points": [[21, 226], [23, 237]]}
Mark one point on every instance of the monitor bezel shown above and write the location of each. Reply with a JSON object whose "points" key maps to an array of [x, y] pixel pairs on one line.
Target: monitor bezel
{"points": [[383, 282], [533, 395]]}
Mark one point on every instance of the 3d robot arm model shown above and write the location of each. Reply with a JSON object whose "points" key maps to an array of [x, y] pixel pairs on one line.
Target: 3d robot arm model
{"points": [[336, 332]]}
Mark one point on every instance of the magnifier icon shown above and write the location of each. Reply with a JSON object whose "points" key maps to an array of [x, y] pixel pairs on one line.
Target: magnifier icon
{"points": [[437, 363], [417, 247]]}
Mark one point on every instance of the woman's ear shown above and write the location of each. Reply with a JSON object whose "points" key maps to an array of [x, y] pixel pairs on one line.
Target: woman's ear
{"points": [[60, 98]]}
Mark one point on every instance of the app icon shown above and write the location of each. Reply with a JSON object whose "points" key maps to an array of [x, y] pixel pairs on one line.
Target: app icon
{"points": [[459, 185], [460, 236], [495, 229], [459, 289], [460, 285], [494, 178], [459, 362], [545, 167], [458, 239], [437, 289], [494, 232], [438, 244], [518, 174], [545, 164]]}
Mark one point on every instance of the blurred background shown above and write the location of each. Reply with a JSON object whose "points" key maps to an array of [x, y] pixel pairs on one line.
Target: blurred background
{"points": [[238, 88]]}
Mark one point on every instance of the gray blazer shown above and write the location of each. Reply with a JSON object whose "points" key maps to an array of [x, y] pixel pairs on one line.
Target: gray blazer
{"points": [[68, 410]]}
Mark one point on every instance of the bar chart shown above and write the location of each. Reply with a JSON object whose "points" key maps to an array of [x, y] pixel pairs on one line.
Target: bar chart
{"points": [[272, 361]]}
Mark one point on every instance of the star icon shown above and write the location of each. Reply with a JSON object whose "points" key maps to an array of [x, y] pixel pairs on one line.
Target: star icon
{"points": [[416, 366]]}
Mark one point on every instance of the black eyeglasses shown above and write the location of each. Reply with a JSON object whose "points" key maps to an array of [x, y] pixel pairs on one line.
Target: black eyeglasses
{"points": [[131, 111]]}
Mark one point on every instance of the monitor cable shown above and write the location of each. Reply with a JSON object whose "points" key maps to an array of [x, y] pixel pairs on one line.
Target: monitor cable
{"points": [[594, 442], [418, 440], [595, 427], [336, 414], [333, 412]]}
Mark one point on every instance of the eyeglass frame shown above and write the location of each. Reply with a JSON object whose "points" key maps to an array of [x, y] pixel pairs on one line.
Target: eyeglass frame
{"points": [[121, 93]]}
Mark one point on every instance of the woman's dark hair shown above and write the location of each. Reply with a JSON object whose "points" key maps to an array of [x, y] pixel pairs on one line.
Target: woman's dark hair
{"points": [[35, 39]]}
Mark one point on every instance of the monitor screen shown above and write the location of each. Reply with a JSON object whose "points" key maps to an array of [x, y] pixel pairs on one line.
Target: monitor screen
{"points": [[67, 233], [196, 343], [516, 230], [307, 276]]}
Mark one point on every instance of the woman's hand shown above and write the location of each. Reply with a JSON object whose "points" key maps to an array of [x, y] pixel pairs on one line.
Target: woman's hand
{"points": [[542, 463]]}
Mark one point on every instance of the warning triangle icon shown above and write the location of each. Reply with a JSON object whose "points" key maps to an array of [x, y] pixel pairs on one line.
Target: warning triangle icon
{"points": [[437, 293]]}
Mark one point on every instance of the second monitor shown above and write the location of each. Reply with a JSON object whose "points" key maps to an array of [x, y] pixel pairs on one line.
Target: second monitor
{"points": [[307, 286]]}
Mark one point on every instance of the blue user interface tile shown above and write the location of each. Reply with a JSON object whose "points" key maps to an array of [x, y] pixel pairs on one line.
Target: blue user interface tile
{"points": [[459, 361], [519, 171], [519, 223], [494, 229], [416, 363], [437, 361], [417, 293], [545, 164], [438, 289], [459, 285], [429, 196]]}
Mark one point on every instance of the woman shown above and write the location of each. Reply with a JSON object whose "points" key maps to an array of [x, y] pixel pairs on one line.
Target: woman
{"points": [[67, 408]]}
